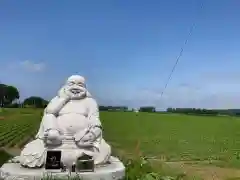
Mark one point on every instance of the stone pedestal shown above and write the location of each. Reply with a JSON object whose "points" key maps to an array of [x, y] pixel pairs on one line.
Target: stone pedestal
{"points": [[113, 171]]}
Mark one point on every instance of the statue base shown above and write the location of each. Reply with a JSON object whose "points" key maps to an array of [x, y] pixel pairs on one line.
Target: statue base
{"points": [[115, 170]]}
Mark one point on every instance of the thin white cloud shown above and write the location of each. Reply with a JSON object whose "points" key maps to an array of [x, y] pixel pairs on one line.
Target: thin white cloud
{"points": [[32, 66], [223, 77], [183, 96], [25, 66]]}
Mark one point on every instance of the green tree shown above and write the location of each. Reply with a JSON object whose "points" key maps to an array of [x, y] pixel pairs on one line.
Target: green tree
{"points": [[8, 94], [35, 101], [12, 94], [169, 109], [2, 94]]}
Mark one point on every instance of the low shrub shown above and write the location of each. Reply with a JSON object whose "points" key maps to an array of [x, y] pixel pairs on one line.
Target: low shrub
{"points": [[4, 156]]}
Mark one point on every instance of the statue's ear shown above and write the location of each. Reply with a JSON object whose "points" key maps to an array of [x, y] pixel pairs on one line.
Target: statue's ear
{"points": [[88, 94]]}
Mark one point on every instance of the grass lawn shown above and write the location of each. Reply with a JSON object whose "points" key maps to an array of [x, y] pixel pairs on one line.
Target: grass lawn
{"points": [[174, 137], [200, 140]]}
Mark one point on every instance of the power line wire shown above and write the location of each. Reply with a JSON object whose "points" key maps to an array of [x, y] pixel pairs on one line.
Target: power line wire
{"points": [[179, 56]]}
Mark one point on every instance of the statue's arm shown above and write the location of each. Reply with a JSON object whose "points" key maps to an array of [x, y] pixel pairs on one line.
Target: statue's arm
{"points": [[94, 131], [55, 105], [93, 112], [49, 127], [94, 118]]}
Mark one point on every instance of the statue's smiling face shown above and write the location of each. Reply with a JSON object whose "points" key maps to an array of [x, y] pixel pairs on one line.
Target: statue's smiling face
{"points": [[75, 87]]}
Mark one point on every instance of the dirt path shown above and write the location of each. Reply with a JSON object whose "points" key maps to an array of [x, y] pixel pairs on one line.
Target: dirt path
{"points": [[206, 172], [12, 151]]}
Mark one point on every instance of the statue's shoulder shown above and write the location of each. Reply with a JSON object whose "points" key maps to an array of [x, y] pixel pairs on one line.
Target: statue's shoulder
{"points": [[91, 101]]}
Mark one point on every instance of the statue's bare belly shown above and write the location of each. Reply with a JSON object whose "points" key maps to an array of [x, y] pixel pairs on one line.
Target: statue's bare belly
{"points": [[69, 124], [72, 123]]}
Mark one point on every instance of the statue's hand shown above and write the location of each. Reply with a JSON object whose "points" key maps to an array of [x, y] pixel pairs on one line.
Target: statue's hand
{"points": [[84, 140], [89, 137], [84, 144], [79, 135], [64, 94], [52, 137], [53, 134]]}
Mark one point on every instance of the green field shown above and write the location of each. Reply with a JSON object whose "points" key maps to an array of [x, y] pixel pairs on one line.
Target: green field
{"points": [[163, 137], [176, 137]]}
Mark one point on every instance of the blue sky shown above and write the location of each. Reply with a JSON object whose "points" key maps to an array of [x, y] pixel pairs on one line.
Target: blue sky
{"points": [[125, 49]]}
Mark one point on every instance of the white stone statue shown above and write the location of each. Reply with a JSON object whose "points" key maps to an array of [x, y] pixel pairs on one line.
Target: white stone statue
{"points": [[71, 124]]}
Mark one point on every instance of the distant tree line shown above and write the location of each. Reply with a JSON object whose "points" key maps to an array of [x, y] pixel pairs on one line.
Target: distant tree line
{"points": [[193, 111], [125, 108], [9, 98], [198, 111], [113, 108], [35, 101], [147, 109]]}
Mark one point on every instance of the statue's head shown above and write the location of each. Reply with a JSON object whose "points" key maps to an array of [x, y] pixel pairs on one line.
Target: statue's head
{"points": [[75, 87]]}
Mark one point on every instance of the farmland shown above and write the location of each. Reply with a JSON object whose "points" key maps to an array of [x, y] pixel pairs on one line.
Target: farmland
{"points": [[18, 126], [164, 137]]}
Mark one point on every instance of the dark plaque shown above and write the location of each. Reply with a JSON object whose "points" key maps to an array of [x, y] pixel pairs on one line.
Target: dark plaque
{"points": [[53, 160], [85, 164]]}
